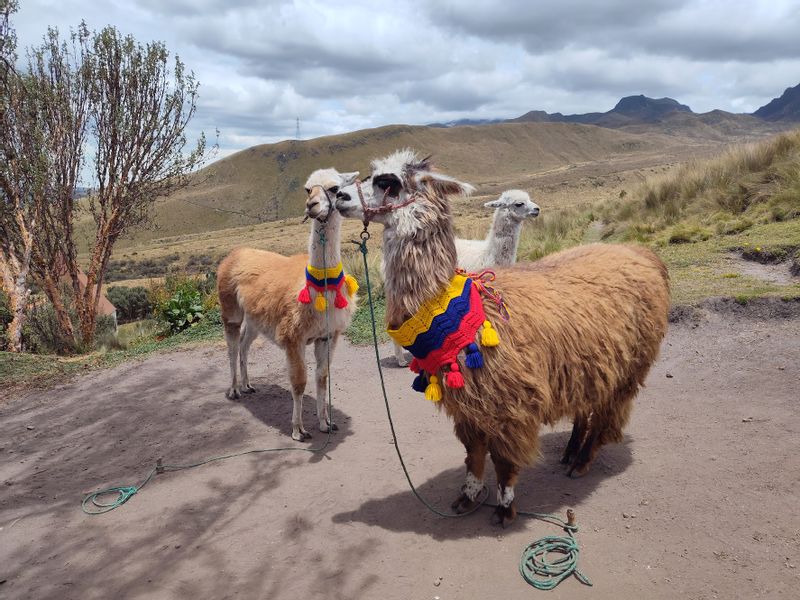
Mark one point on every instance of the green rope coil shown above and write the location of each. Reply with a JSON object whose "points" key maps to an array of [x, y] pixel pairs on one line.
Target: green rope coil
{"points": [[543, 572], [534, 566]]}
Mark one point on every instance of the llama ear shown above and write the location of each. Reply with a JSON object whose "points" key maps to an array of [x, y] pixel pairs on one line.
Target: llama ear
{"points": [[443, 184], [348, 178], [426, 164], [493, 204]]}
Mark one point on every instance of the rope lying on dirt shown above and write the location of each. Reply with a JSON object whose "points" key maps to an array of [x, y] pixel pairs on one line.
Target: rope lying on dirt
{"points": [[536, 566], [93, 504]]}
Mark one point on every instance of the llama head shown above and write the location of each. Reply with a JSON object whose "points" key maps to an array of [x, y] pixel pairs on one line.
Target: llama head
{"points": [[408, 183], [321, 187], [514, 205]]}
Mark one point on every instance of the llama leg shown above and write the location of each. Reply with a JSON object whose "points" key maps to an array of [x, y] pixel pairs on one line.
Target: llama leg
{"points": [[249, 333], [588, 450], [575, 440], [605, 426], [507, 475], [400, 354], [295, 356], [321, 356], [232, 339], [475, 443]]}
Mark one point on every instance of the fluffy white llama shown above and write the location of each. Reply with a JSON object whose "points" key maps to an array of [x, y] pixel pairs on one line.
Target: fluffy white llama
{"points": [[500, 245], [258, 293]]}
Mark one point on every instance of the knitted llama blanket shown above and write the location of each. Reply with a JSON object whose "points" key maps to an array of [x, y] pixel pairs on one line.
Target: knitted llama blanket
{"points": [[442, 327]]}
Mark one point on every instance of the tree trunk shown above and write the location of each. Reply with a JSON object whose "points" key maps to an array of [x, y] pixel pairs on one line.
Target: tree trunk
{"points": [[19, 302], [62, 315], [15, 279]]}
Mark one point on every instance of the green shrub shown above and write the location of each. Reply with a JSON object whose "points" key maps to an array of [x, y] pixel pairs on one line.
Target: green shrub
{"points": [[182, 310], [733, 227], [128, 268], [41, 333], [132, 303], [686, 234]]}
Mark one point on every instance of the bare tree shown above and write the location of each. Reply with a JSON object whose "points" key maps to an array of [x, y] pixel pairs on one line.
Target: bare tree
{"points": [[101, 90], [60, 80], [140, 109]]}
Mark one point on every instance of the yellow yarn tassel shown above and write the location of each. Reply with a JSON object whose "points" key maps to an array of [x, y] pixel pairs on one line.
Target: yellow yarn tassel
{"points": [[352, 285], [489, 335], [320, 303], [434, 391]]}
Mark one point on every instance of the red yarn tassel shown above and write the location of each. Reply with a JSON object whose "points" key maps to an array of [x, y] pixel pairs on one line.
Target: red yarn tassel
{"points": [[304, 297], [454, 378], [414, 366], [341, 301]]}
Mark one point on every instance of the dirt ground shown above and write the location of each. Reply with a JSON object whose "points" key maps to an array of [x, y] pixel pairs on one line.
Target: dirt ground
{"points": [[701, 501]]}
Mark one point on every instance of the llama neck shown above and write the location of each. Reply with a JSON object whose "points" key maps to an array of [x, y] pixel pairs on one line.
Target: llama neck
{"points": [[416, 268], [329, 254], [503, 239]]}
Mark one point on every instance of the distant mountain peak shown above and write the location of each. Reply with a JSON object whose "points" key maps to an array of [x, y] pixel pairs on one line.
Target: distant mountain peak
{"points": [[648, 109], [785, 108]]}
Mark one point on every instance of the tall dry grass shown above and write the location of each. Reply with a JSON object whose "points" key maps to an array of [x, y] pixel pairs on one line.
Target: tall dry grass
{"points": [[554, 230], [750, 183]]}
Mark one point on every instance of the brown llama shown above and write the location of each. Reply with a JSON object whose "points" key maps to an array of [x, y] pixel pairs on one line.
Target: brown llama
{"points": [[585, 327], [266, 293]]}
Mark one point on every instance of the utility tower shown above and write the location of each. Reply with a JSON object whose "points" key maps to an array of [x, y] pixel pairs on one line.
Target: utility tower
{"points": [[297, 131]]}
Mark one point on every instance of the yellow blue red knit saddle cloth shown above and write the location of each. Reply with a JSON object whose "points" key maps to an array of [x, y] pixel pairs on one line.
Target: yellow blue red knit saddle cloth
{"points": [[441, 328], [331, 279]]}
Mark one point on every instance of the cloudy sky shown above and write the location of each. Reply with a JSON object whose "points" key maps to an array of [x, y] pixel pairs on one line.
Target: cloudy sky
{"points": [[342, 66]]}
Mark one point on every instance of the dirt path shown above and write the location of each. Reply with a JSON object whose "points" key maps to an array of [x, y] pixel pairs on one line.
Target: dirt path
{"points": [[709, 477]]}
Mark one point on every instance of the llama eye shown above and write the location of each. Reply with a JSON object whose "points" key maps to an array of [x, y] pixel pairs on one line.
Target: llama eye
{"points": [[519, 204], [308, 190], [334, 189]]}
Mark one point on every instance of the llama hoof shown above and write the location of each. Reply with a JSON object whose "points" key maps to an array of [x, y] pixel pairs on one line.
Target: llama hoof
{"points": [[504, 515], [323, 427], [232, 394], [402, 362], [300, 435], [249, 389], [463, 504], [576, 471]]}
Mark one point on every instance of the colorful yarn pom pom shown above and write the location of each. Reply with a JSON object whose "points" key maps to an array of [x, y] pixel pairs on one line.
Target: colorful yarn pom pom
{"points": [[434, 391], [320, 303], [489, 335], [420, 383], [352, 285], [414, 366], [341, 301], [454, 378], [332, 279], [474, 358]]}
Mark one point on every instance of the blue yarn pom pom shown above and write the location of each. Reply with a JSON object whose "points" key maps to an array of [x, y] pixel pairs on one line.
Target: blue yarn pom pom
{"points": [[420, 383], [474, 357]]}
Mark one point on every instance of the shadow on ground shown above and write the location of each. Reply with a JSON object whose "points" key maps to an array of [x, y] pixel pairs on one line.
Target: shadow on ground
{"points": [[542, 488]]}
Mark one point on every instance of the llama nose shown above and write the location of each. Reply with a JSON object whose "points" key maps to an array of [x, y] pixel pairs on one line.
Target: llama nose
{"points": [[343, 196], [534, 212]]}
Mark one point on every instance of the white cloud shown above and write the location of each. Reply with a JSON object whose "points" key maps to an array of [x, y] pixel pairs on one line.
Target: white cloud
{"points": [[340, 67]]}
